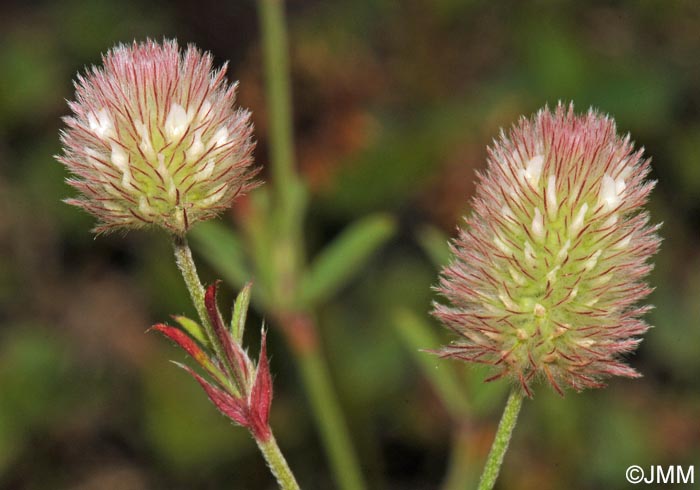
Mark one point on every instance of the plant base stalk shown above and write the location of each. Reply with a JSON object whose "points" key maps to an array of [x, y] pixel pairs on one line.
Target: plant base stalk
{"points": [[277, 464], [501, 441], [329, 417]]}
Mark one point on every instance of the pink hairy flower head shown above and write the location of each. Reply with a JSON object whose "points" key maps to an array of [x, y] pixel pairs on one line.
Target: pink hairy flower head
{"points": [[155, 139], [549, 268]]}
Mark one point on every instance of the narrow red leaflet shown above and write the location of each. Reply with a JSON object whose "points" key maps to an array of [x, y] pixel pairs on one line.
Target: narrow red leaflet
{"points": [[234, 355], [261, 394], [188, 345], [234, 408]]}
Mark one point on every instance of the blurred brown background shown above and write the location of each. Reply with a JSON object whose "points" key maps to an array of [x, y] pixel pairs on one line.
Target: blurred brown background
{"points": [[394, 103]]}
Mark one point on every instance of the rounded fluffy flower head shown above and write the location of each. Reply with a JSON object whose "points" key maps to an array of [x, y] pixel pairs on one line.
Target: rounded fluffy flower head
{"points": [[550, 265], [155, 139]]}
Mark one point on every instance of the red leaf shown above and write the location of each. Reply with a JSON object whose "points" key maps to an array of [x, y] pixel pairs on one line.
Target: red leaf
{"points": [[232, 407], [189, 346], [235, 356], [261, 394]]}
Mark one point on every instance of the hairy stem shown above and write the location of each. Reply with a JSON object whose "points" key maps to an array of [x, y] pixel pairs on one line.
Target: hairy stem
{"points": [[500, 443], [269, 448], [278, 465], [188, 269]]}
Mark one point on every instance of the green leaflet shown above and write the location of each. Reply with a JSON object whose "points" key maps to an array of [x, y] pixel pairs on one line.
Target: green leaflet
{"points": [[193, 329], [240, 312], [416, 335], [435, 244], [340, 260]]}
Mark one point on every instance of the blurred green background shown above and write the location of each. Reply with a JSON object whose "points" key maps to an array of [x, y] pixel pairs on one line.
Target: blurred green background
{"points": [[394, 103]]}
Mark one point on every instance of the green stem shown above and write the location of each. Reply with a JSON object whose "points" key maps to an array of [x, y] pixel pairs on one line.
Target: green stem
{"points": [[500, 443], [274, 36], [461, 472], [287, 257], [270, 450], [185, 262], [330, 420], [278, 465]]}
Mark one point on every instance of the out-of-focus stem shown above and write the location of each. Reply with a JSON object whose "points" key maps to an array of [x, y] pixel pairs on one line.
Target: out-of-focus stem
{"points": [[278, 465], [301, 333], [501, 441], [330, 420], [287, 257], [461, 472], [274, 37]]}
